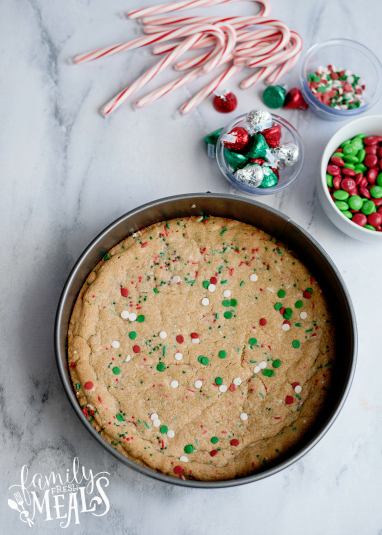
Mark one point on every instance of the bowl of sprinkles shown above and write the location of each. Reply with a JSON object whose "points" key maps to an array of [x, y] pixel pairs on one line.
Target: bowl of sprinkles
{"points": [[340, 78], [292, 315], [350, 181]]}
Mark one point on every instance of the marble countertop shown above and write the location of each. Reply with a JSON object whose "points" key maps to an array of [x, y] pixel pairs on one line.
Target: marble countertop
{"points": [[66, 173]]}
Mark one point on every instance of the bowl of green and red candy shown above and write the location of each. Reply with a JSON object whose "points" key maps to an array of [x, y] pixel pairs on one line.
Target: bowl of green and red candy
{"points": [[354, 180]]}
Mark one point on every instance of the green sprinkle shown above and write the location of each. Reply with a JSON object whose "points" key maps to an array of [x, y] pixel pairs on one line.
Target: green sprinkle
{"points": [[206, 284], [205, 361], [252, 341], [141, 318], [106, 257], [189, 448], [223, 231], [116, 370], [164, 351], [120, 418], [163, 429], [218, 381], [132, 335], [222, 354], [242, 282], [296, 344], [161, 367], [156, 291], [278, 306], [281, 293], [226, 303], [214, 440], [268, 373], [228, 315], [276, 363], [233, 302], [298, 304], [78, 386]]}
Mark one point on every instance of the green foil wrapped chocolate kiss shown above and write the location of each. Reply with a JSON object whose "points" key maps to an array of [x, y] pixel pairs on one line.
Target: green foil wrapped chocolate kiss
{"points": [[258, 148], [234, 160], [274, 96], [270, 179]]}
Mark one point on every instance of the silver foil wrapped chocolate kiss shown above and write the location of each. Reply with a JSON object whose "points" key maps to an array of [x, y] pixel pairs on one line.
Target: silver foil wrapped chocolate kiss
{"points": [[252, 175], [259, 120], [286, 154]]}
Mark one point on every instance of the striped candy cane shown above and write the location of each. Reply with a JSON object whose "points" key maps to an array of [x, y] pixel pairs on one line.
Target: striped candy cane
{"points": [[260, 74], [177, 6]]}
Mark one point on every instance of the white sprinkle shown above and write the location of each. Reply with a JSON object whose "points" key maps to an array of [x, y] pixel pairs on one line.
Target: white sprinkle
{"points": [[285, 326], [227, 293], [178, 356], [262, 364], [163, 334], [124, 314], [170, 433], [115, 344], [132, 316], [350, 79], [347, 72], [211, 288], [205, 302], [154, 416], [128, 358], [303, 315], [298, 389], [253, 277], [184, 459], [156, 423], [223, 388], [243, 416], [90, 406], [198, 384], [174, 384], [256, 369], [237, 381], [195, 340], [361, 81], [176, 279]]}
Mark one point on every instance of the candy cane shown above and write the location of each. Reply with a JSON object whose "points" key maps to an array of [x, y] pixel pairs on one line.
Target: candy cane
{"points": [[209, 89], [260, 74], [140, 42], [274, 59], [285, 67], [176, 6]]}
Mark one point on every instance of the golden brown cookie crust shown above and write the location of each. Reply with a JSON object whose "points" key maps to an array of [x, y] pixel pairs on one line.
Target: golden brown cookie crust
{"points": [[123, 371]]}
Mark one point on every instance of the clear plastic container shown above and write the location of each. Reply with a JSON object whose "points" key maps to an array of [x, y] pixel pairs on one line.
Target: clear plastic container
{"points": [[287, 174], [346, 54]]}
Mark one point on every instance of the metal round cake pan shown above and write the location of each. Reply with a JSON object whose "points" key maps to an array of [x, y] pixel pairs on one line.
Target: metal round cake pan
{"points": [[277, 225]]}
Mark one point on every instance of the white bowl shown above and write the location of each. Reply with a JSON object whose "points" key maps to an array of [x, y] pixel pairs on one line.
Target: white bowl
{"points": [[364, 125]]}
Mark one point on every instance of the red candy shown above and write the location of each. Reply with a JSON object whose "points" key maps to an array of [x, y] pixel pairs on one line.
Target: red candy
{"points": [[334, 169], [372, 140], [336, 182], [348, 184], [89, 385], [364, 192], [372, 174], [234, 442], [358, 177], [377, 202], [136, 349], [272, 136], [194, 335], [213, 453], [240, 139], [371, 150], [370, 160], [337, 161], [213, 280], [359, 219], [263, 322], [124, 292], [374, 219], [225, 103], [307, 294], [294, 100], [289, 400], [349, 172], [294, 385], [180, 339], [178, 470]]}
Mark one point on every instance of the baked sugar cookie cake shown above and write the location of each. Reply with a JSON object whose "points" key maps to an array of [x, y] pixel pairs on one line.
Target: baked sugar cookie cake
{"points": [[201, 348]]}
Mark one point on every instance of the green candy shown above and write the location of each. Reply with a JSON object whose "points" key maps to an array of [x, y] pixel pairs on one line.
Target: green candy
{"points": [[274, 96], [355, 202], [341, 205], [379, 179], [376, 192], [341, 195], [370, 227], [368, 208], [259, 147], [268, 373], [211, 140], [234, 160], [360, 136], [270, 179], [361, 155], [161, 367], [276, 363], [338, 155], [347, 214], [351, 159], [189, 448], [356, 142], [163, 429], [350, 150], [360, 168], [222, 354], [329, 180], [349, 165], [343, 145]]}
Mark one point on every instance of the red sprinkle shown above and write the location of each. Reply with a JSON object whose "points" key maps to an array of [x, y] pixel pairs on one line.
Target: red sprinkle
{"points": [[234, 442], [263, 321], [289, 400], [72, 365], [232, 387], [180, 339], [178, 469], [295, 384], [144, 244], [307, 295], [124, 292], [89, 385], [213, 280], [194, 335], [136, 349], [213, 453]]}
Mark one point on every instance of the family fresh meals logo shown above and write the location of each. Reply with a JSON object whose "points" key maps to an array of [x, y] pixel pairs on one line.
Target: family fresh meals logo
{"points": [[60, 497]]}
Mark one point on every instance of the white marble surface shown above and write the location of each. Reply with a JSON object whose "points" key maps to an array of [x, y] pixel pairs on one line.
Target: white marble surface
{"points": [[65, 174]]}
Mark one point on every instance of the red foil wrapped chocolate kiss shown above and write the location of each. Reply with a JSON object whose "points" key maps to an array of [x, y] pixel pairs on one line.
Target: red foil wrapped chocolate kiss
{"points": [[272, 136], [294, 100], [237, 139], [225, 103]]}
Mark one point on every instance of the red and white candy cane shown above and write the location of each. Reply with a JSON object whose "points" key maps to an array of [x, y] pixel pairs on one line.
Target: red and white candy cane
{"points": [[260, 74], [209, 89], [115, 102], [177, 6]]}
